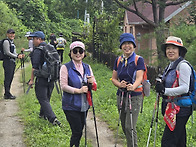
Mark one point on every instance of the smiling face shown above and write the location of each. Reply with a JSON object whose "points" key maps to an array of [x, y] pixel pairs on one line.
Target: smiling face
{"points": [[172, 52], [77, 54], [11, 36], [128, 48]]}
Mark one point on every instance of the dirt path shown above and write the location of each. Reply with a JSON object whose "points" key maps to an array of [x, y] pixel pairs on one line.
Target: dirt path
{"points": [[11, 128]]}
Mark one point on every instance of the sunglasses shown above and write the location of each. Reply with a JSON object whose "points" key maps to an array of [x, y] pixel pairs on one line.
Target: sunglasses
{"points": [[75, 51]]}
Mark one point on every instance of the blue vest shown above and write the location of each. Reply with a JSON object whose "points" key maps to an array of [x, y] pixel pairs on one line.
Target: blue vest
{"points": [[76, 102], [169, 77]]}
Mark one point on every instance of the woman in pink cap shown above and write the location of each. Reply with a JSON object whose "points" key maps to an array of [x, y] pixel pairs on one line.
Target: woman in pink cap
{"points": [[77, 80], [177, 83]]}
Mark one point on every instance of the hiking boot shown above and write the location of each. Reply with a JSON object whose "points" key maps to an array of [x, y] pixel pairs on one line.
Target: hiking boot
{"points": [[56, 122], [9, 97], [42, 116]]}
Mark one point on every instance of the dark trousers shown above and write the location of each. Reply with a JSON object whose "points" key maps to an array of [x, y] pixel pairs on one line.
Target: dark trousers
{"points": [[9, 68], [76, 121], [43, 90], [176, 138], [60, 52]]}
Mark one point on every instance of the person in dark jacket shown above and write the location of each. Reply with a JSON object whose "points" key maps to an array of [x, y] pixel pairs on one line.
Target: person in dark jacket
{"points": [[9, 65], [74, 78], [175, 83], [43, 87]]}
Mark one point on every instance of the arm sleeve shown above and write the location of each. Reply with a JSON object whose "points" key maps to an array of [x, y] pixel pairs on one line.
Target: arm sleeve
{"points": [[184, 81], [64, 80], [6, 50], [140, 64]]}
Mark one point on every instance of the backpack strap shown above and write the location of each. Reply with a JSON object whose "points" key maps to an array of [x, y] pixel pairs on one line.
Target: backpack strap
{"points": [[118, 61]]}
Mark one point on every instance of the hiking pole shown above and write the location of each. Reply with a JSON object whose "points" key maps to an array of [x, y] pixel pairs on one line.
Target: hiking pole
{"points": [[131, 115], [23, 71], [120, 110], [85, 135], [20, 64], [155, 107], [156, 120], [95, 122]]}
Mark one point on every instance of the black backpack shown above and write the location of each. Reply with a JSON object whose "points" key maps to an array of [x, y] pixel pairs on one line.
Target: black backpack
{"points": [[2, 55], [51, 67]]}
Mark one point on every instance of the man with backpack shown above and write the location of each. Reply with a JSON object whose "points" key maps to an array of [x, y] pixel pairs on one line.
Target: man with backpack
{"points": [[61, 42], [43, 85], [9, 57], [127, 77]]}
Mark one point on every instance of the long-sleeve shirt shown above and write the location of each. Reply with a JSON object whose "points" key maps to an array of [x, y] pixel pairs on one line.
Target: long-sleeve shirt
{"points": [[64, 77], [6, 49]]}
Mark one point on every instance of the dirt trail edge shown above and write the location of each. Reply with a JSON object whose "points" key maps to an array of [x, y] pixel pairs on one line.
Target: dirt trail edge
{"points": [[11, 128]]}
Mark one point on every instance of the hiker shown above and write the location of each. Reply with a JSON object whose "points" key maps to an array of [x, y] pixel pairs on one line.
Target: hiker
{"points": [[53, 40], [128, 77], [43, 87], [74, 76], [30, 39], [175, 130], [61, 42], [9, 65]]}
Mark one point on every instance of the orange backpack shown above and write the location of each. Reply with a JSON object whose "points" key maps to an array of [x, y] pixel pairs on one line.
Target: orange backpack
{"points": [[144, 87]]}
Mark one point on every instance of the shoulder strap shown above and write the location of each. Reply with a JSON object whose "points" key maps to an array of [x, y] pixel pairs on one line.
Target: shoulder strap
{"points": [[136, 59], [118, 61]]}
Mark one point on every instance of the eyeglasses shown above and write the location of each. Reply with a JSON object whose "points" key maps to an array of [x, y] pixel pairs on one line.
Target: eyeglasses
{"points": [[75, 51]]}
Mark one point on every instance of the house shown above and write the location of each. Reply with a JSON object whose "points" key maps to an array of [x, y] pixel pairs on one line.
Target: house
{"points": [[143, 32]]}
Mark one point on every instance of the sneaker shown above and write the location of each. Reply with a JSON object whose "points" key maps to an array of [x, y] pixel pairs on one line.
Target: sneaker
{"points": [[56, 122], [9, 97], [42, 116]]}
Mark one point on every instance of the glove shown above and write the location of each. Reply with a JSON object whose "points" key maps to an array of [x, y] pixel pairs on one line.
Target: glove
{"points": [[160, 88]]}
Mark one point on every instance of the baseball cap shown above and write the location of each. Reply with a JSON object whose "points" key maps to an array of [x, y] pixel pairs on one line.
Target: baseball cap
{"points": [[38, 34], [10, 31]]}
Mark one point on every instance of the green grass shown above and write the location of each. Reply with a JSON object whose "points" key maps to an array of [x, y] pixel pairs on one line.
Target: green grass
{"points": [[39, 132]]}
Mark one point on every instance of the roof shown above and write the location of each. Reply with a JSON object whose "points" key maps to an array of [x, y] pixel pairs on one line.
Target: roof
{"points": [[146, 10]]}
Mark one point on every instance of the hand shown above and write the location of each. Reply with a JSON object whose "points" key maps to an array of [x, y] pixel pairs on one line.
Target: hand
{"points": [[22, 49], [123, 84], [84, 89], [30, 83], [160, 88], [130, 87], [90, 79]]}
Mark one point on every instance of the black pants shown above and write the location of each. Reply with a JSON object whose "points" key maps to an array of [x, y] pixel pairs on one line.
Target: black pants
{"points": [[76, 121], [43, 90], [176, 138], [60, 52], [9, 68]]}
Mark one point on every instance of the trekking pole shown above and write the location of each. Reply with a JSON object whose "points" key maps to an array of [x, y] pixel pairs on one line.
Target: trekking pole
{"points": [[120, 110], [155, 105], [154, 110], [131, 115], [95, 123], [23, 72], [21, 64], [156, 120], [85, 132]]}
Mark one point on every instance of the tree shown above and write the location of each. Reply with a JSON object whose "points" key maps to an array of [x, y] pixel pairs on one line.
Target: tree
{"points": [[158, 17]]}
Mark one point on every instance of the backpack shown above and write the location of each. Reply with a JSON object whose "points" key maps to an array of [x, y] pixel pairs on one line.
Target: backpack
{"points": [[51, 66], [60, 43], [2, 55], [191, 99], [145, 82]]}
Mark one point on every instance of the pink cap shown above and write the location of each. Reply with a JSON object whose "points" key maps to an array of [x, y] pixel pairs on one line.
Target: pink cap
{"points": [[77, 44]]}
